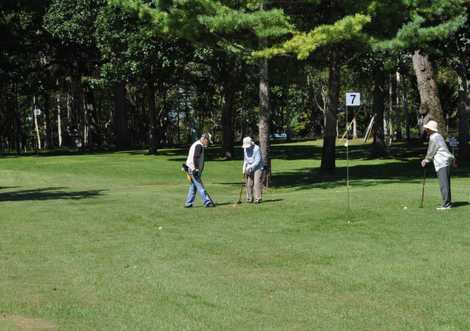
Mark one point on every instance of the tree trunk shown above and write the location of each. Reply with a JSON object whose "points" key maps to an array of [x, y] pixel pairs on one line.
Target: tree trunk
{"points": [[178, 125], [406, 110], [121, 116], [396, 108], [328, 161], [68, 132], [59, 121], [18, 125], [378, 148], [76, 111], [265, 114], [36, 125], [47, 122], [153, 134], [354, 127], [463, 113], [227, 121], [430, 104], [86, 114]]}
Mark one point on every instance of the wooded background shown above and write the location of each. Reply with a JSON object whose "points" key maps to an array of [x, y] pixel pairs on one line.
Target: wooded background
{"points": [[120, 74]]}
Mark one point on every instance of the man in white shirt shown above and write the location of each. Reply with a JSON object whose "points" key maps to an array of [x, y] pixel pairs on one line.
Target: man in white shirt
{"points": [[194, 165], [442, 158]]}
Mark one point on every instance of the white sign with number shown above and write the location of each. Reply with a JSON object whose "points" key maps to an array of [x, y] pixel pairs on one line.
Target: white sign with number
{"points": [[353, 99]]}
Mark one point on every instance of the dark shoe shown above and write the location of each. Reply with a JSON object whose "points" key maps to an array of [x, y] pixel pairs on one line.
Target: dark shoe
{"points": [[445, 207], [210, 205], [188, 206], [258, 201]]}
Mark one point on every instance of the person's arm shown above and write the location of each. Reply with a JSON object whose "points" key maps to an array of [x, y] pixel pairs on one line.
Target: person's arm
{"points": [[257, 159], [432, 150], [197, 157]]}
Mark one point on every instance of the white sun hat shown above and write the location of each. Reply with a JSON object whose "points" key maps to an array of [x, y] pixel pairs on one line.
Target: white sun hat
{"points": [[432, 125], [247, 142]]}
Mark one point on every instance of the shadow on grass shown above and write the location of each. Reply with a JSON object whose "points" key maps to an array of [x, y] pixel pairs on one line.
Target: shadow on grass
{"points": [[235, 204], [7, 187], [459, 204], [48, 193], [406, 171]]}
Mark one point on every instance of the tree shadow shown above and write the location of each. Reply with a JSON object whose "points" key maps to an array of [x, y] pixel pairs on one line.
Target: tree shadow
{"points": [[48, 193], [365, 175], [234, 203]]}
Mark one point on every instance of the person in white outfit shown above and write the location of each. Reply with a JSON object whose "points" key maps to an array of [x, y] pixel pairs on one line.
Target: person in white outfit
{"points": [[438, 152], [252, 170]]}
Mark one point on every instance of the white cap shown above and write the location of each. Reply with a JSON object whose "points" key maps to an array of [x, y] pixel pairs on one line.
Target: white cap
{"points": [[247, 142], [432, 125]]}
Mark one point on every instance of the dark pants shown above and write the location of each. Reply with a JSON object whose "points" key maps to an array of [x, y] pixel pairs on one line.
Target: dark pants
{"points": [[444, 180]]}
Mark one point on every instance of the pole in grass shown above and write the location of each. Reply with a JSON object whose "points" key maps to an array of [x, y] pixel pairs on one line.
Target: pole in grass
{"points": [[353, 99]]}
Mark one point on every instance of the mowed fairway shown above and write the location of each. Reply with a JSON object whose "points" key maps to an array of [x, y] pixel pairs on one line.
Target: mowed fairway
{"points": [[102, 242]]}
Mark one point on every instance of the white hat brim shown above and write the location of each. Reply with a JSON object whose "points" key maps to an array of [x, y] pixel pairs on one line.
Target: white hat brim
{"points": [[430, 128]]}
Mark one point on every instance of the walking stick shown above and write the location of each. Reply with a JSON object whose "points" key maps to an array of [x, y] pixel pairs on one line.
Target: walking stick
{"points": [[422, 192]]}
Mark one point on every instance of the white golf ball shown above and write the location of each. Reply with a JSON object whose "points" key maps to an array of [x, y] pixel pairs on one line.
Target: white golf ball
{"points": [[160, 228], [405, 208]]}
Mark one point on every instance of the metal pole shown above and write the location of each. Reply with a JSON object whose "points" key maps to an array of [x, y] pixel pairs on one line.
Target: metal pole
{"points": [[347, 161]]}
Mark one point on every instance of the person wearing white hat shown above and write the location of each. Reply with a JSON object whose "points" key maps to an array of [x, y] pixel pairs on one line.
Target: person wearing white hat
{"points": [[438, 152], [252, 170]]}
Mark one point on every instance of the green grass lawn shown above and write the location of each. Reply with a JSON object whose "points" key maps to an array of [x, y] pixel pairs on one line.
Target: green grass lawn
{"points": [[102, 242]]}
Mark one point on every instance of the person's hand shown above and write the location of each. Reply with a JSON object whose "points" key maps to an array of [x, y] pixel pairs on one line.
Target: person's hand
{"points": [[424, 163], [196, 172], [455, 163]]}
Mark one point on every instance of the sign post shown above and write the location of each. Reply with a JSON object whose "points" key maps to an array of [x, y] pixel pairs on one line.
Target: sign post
{"points": [[353, 99], [37, 112]]}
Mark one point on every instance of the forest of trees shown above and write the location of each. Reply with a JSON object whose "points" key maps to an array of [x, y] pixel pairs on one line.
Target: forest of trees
{"points": [[119, 74]]}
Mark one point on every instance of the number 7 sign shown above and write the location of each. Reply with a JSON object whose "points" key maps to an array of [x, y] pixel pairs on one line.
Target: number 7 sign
{"points": [[353, 99]]}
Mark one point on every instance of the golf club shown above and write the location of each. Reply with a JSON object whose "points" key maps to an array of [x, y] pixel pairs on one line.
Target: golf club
{"points": [[243, 183], [422, 192]]}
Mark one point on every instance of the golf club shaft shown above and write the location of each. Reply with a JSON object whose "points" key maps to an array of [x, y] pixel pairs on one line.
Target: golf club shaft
{"points": [[241, 189], [422, 192]]}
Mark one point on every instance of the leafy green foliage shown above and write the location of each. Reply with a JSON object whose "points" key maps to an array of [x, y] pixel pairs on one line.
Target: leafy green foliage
{"points": [[72, 21], [304, 44], [429, 22]]}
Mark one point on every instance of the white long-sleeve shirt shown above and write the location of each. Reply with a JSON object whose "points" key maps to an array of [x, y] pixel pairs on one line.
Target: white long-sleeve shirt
{"points": [[252, 158], [438, 152]]}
